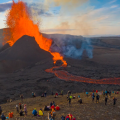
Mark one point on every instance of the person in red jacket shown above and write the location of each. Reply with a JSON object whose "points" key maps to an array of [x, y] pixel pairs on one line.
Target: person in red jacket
{"points": [[96, 91], [56, 95], [52, 107], [57, 107], [67, 117]]}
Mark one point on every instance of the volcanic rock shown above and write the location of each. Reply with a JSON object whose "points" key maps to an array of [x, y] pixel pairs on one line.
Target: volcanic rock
{"points": [[4, 47], [24, 52]]}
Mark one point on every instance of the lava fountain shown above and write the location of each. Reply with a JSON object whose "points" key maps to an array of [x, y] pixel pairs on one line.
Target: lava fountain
{"points": [[19, 22]]}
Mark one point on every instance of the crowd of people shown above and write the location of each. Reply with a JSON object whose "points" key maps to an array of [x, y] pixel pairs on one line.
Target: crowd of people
{"points": [[52, 108]]}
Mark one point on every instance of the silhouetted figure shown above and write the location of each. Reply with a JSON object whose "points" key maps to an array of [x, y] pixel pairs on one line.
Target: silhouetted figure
{"points": [[106, 98], [93, 96], [45, 93], [80, 100], [51, 104], [109, 93], [63, 117], [0, 110], [21, 96], [97, 98], [21, 113], [69, 99], [3, 116], [114, 100], [61, 92], [20, 106]]}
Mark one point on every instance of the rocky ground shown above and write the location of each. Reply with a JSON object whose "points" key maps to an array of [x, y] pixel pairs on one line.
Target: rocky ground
{"points": [[87, 111]]}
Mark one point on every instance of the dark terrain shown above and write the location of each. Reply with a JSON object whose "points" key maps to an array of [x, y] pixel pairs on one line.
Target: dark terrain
{"points": [[23, 66]]}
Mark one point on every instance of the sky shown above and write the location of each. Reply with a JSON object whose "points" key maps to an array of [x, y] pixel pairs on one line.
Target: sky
{"points": [[75, 17]]}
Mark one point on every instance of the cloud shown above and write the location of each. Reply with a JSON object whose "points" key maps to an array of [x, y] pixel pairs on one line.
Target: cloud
{"points": [[67, 2], [57, 30], [113, 1], [5, 6], [39, 9], [92, 22], [114, 6], [67, 6]]}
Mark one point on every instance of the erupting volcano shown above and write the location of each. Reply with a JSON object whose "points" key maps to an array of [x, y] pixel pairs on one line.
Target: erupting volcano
{"points": [[19, 23]]}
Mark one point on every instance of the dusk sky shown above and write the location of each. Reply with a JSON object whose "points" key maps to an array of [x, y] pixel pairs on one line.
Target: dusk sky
{"points": [[76, 17]]}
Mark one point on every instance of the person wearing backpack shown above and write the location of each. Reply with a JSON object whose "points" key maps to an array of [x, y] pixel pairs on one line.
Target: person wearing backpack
{"points": [[67, 117]]}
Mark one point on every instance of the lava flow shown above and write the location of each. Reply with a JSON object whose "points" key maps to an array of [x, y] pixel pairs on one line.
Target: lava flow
{"points": [[19, 22], [64, 75]]}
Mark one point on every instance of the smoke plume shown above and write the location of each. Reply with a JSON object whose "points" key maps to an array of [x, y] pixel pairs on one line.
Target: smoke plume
{"points": [[72, 46]]}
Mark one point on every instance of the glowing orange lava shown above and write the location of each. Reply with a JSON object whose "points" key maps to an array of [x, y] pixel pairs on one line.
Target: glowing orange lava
{"points": [[64, 75], [19, 23]]}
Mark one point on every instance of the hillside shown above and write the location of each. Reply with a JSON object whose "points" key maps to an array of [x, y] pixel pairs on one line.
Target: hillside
{"points": [[23, 53], [87, 111]]}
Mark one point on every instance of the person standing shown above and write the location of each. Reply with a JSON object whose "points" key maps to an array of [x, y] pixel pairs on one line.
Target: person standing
{"points": [[87, 94], [62, 92], [114, 100], [109, 93], [0, 110], [93, 96], [45, 93], [63, 117], [106, 98], [25, 110], [21, 96], [20, 106], [17, 109], [97, 98], [49, 116], [69, 99]]}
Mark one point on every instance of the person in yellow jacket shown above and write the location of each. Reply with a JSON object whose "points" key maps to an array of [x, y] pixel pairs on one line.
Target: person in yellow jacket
{"points": [[41, 112]]}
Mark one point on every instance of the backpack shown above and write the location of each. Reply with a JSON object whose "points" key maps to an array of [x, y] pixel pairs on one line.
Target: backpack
{"points": [[67, 119]]}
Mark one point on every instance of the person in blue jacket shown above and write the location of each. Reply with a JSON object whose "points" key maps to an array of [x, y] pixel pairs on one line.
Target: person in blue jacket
{"points": [[87, 94], [3, 116], [34, 112]]}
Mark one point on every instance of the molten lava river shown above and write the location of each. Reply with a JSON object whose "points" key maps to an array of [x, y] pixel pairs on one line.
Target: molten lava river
{"points": [[19, 22]]}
